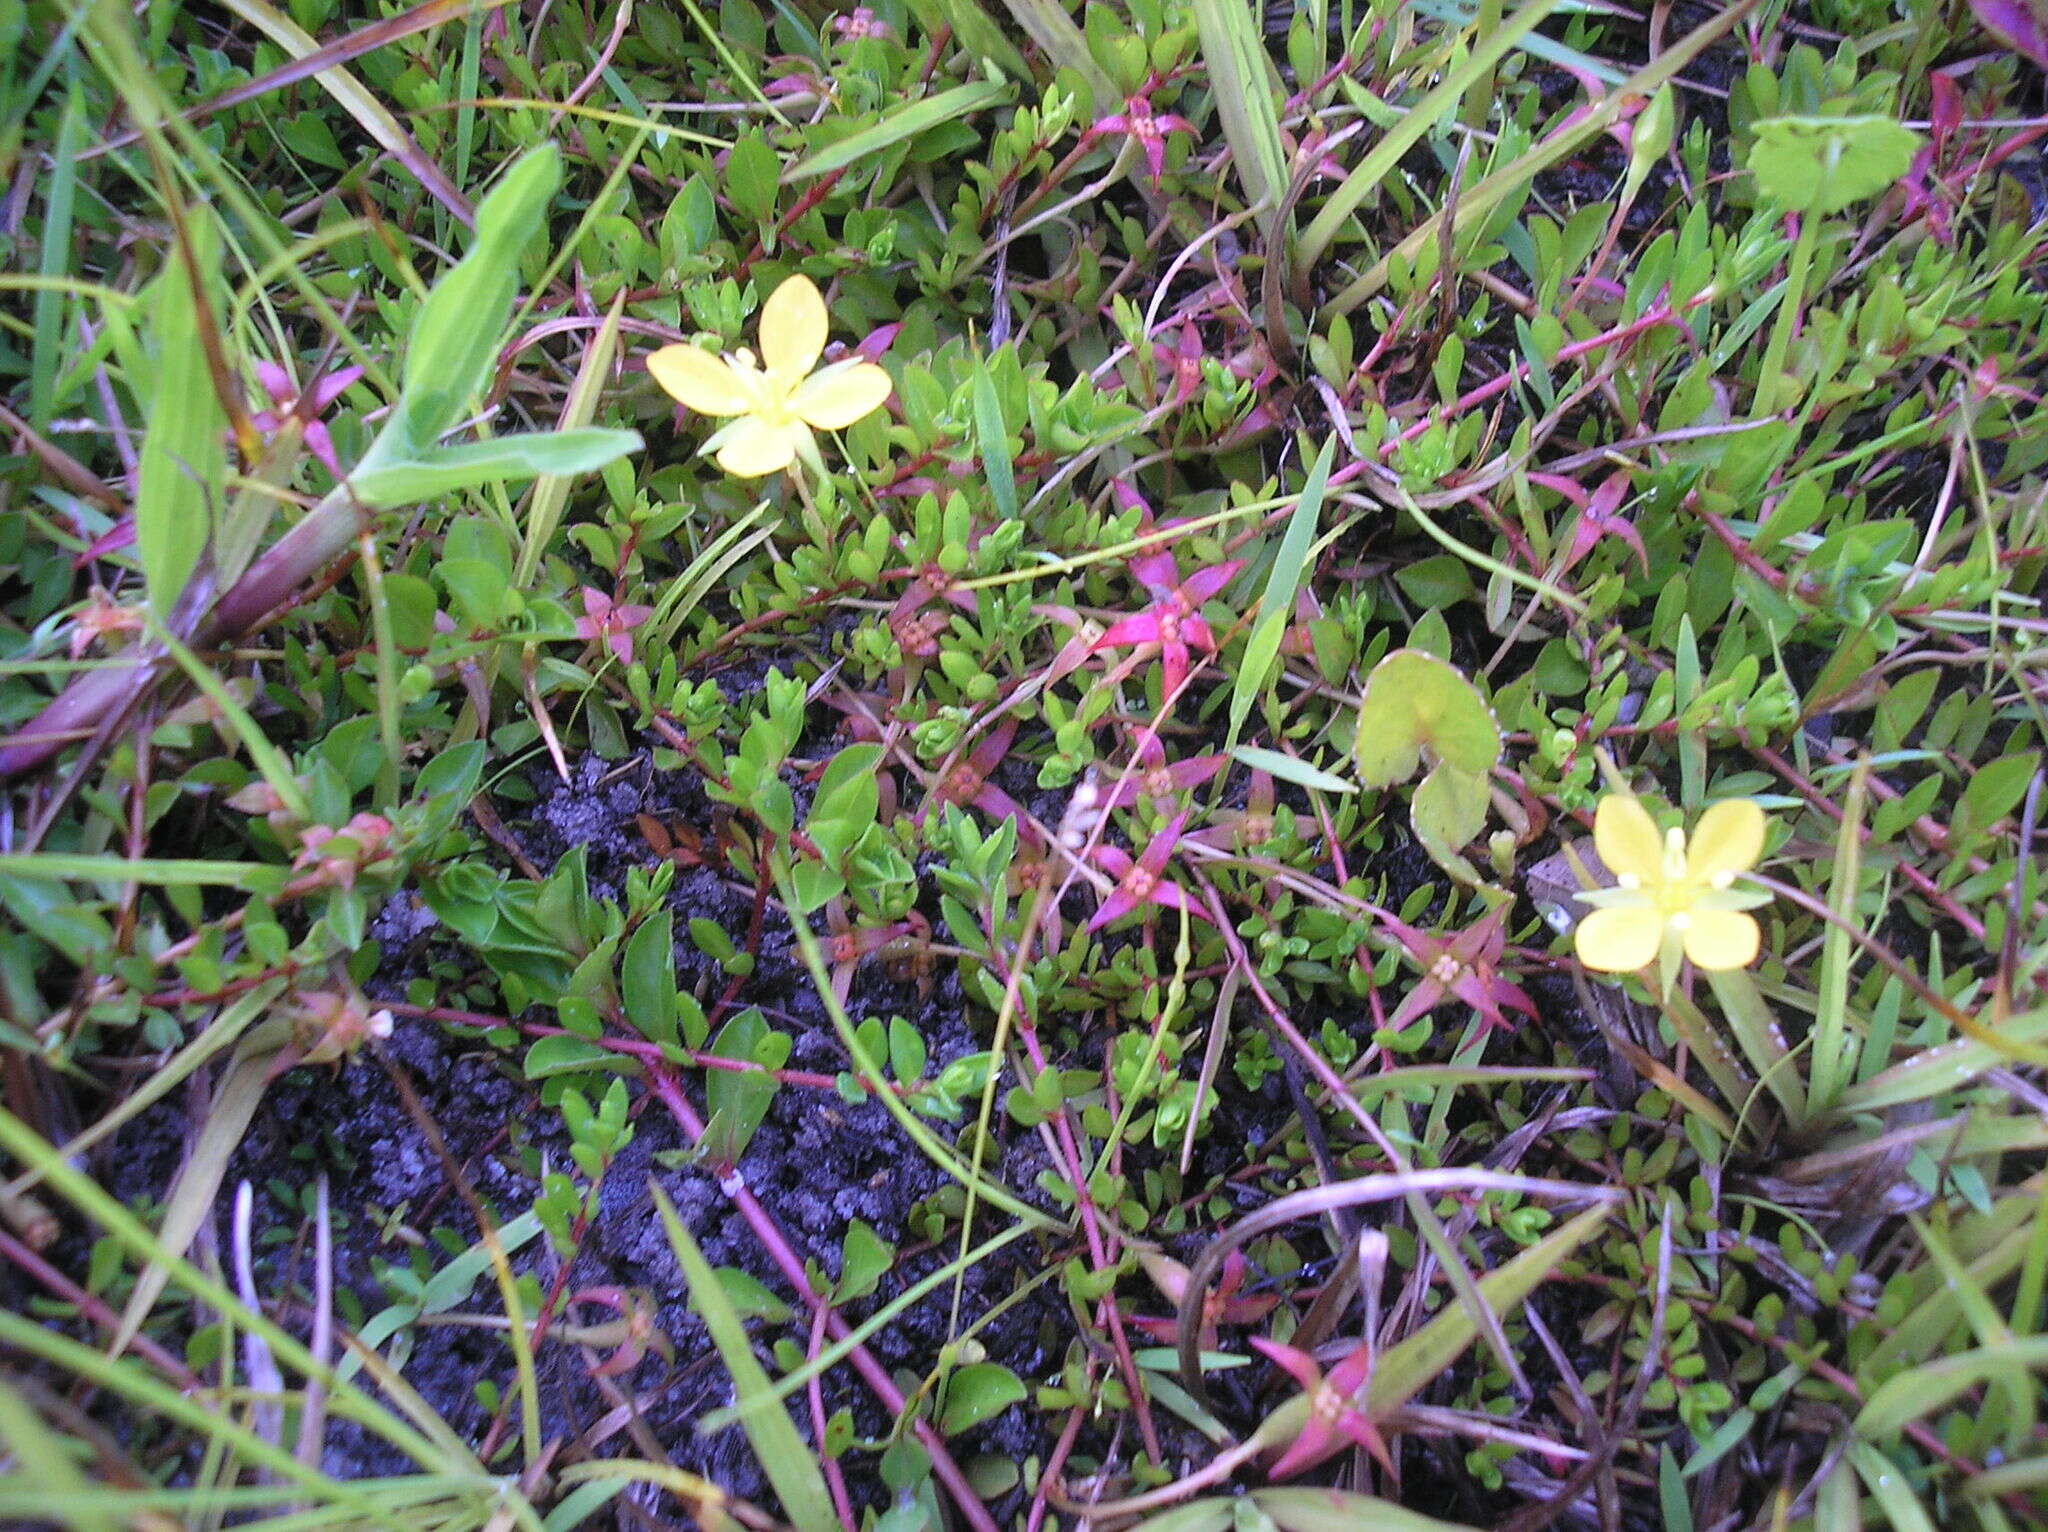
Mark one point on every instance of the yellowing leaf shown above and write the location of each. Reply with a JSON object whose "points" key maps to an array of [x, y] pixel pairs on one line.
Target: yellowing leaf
{"points": [[1415, 701]]}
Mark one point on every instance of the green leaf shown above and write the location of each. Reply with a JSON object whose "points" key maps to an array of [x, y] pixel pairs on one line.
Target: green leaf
{"points": [[563, 1055], [1415, 702], [182, 475], [741, 1098], [1419, 120], [977, 1393], [1283, 582], [1334, 1510], [647, 978], [384, 481], [993, 442], [864, 1259], [1290, 768], [753, 1297], [454, 341], [791, 1466], [1449, 807], [847, 800], [1243, 85], [1823, 164], [899, 126]]}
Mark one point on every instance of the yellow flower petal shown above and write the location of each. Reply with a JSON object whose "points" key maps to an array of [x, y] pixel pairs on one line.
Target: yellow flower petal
{"points": [[1721, 938], [1620, 941], [1729, 838], [793, 329], [834, 399], [751, 449], [1627, 839], [700, 381]]}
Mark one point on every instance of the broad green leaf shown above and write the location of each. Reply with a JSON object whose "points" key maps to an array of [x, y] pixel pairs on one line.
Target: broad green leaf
{"points": [[791, 1466], [1824, 164], [977, 1393], [567, 1055], [182, 475], [739, 1099], [753, 1297], [864, 1258], [647, 978], [388, 481], [454, 341], [1449, 806], [899, 126], [1415, 702]]}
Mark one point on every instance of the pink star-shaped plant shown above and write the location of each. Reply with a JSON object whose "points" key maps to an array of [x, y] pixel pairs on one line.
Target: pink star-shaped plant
{"points": [[1148, 127], [1142, 883], [1220, 1305], [1597, 514], [968, 785], [1155, 778], [290, 402], [1173, 621], [602, 619], [1463, 964], [1335, 1419]]}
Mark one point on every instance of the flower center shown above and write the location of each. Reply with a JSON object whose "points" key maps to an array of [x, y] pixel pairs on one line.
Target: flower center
{"points": [[768, 392]]}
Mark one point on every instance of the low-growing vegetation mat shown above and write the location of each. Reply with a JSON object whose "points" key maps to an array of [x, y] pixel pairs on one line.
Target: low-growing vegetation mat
{"points": [[1001, 764]]}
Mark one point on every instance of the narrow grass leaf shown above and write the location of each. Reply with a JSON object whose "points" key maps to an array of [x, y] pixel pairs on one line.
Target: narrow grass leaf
{"points": [[790, 1465], [551, 490], [158, 872], [1916, 1394], [1299, 1508], [1888, 1487], [1475, 202], [1242, 84], [1432, 109], [55, 261], [42, 1457], [198, 1184], [1293, 769], [1937, 1071], [445, 470], [371, 115], [993, 442], [899, 126], [1061, 41], [1409, 1367], [1283, 583]]}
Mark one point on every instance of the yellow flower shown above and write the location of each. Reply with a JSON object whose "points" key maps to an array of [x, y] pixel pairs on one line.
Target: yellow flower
{"points": [[779, 404], [1670, 895]]}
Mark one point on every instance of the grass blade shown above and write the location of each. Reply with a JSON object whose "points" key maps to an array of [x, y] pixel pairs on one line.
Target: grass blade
{"points": [[781, 1452], [1423, 116], [897, 127], [1242, 82], [1276, 605], [1475, 202], [1061, 41]]}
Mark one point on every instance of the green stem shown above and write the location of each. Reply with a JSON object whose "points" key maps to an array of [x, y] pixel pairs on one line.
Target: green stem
{"points": [[1788, 314]]}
